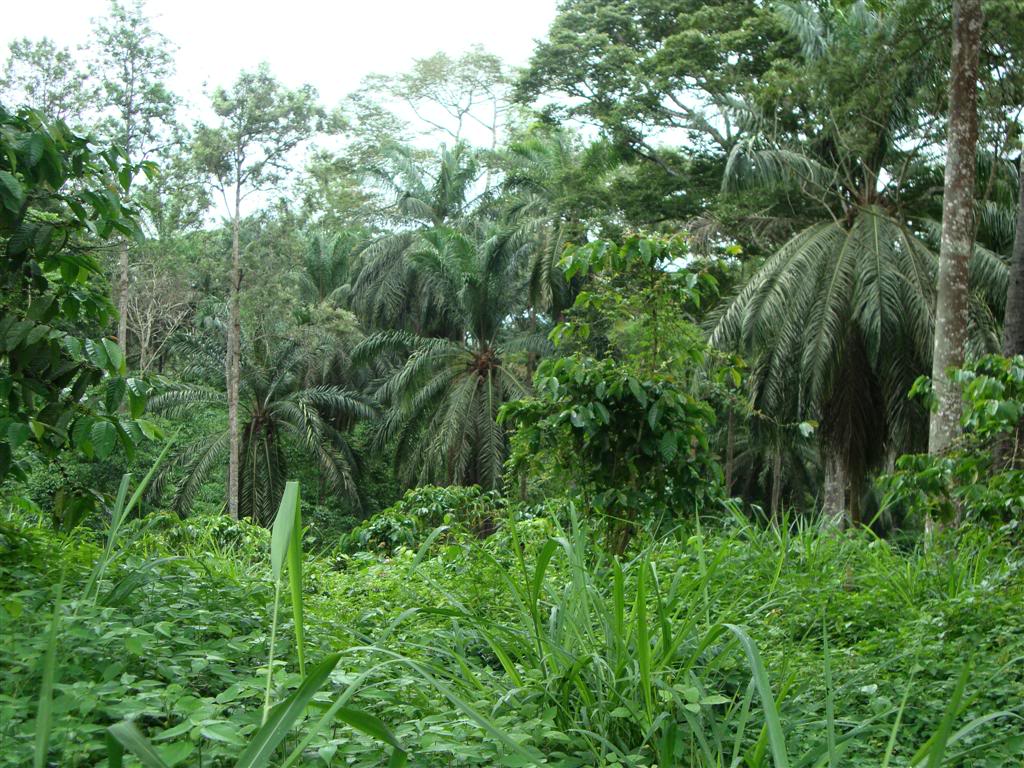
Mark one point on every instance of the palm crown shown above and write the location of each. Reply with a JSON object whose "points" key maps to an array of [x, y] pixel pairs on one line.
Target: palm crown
{"points": [[279, 405]]}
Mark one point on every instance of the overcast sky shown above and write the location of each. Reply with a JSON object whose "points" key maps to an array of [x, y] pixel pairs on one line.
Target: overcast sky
{"points": [[329, 44]]}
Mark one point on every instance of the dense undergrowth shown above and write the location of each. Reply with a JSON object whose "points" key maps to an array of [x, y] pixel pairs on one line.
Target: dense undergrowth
{"points": [[727, 645]]}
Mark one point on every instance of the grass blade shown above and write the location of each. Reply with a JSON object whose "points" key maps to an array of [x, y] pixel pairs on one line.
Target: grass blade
{"points": [[286, 547], [935, 748], [44, 711], [776, 738], [284, 522], [120, 513], [830, 701], [131, 738], [283, 716], [891, 745], [295, 582], [115, 752], [643, 644]]}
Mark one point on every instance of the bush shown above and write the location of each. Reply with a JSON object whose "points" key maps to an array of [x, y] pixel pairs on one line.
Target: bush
{"points": [[982, 476], [621, 416], [409, 521]]}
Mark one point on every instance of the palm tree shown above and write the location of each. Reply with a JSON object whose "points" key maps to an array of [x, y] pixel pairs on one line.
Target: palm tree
{"points": [[540, 188], [388, 291], [442, 394], [328, 267], [326, 326], [278, 405], [839, 321]]}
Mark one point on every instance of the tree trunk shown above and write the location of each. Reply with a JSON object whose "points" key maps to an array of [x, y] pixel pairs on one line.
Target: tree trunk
{"points": [[951, 311], [1008, 448], [730, 451], [777, 483], [143, 353], [234, 354], [122, 299], [834, 509], [1013, 319]]}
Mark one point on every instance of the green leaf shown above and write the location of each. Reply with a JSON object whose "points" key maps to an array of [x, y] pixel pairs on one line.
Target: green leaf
{"points": [[295, 581], [667, 446], [103, 437], [115, 752], [368, 724], [18, 433], [117, 364], [97, 354], [114, 393], [173, 754], [149, 429], [44, 710], [652, 416], [638, 391], [225, 732], [284, 523], [11, 193], [773, 724], [935, 748]]}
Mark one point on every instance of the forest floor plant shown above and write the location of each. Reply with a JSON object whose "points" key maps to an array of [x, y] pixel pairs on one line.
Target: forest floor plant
{"points": [[730, 645]]}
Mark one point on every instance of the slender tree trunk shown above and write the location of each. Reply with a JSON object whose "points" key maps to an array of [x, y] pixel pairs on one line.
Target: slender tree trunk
{"points": [[234, 354], [730, 451], [777, 483], [122, 298], [1013, 319], [951, 311], [143, 351], [531, 357], [834, 507], [1008, 448]]}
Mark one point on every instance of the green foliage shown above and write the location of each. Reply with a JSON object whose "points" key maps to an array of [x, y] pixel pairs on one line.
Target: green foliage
{"points": [[982, 476], [62, 384], [621, 418], [47, 79], [533, 642], [260, 122], [648, 62], [442, 394], [278, 403], [133, 63], [409, 521], [173, 693]]}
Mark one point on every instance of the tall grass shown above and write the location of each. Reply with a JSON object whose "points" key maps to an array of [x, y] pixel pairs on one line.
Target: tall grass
{"points": [[635, 667]]}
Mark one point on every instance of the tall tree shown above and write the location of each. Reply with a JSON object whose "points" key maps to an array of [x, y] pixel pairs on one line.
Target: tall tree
{"points": [[47, 79], [956, 245], [838, 322], [443, 395], [259, 123], [452, 98], [389, 291], [636, 67], [1013, 319], [133, 63], [281, 408]]}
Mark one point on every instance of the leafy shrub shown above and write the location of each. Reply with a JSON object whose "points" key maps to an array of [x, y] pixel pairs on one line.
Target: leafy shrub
{"points": [[982, 475], [409, 521], [620, 417], [61, 385]]}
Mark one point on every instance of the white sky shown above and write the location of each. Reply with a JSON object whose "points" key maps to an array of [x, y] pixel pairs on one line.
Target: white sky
{"points": [[330, 45]]}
